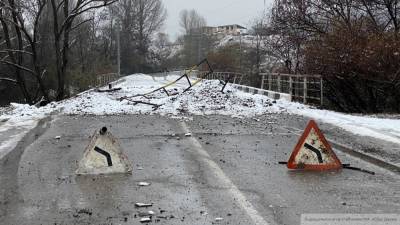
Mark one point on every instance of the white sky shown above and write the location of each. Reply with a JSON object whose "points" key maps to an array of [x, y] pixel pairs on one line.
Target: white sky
{"points": [[216, 12]]}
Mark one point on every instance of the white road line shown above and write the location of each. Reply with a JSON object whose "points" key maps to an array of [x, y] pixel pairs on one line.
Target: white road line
{"points": [[233, 190]]}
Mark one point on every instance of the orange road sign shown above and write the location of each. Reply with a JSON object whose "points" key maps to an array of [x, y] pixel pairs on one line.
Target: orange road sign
{"points": [[313, 151]]}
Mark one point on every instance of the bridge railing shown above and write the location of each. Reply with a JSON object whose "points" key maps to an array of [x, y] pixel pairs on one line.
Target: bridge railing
{"points": [[302, 88], [235, 78], [104, 79], [167, 73]]}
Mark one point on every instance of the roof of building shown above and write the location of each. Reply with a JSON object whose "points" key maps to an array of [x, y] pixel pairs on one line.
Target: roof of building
{"points": [[240, 27]]}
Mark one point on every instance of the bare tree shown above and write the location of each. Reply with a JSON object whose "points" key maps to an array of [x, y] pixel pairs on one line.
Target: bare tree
{"points": [[150, 17], [349, 42], [196, 42], [14, 56], [64, 14], [191, 21], [24, 20], [140, 20], [20, 21]]}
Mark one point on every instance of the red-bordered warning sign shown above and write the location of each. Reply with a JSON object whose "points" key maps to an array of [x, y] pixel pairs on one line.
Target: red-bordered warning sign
{"points": [[313, 151]]}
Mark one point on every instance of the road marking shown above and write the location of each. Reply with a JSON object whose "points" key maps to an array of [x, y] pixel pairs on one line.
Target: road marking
{"points": [[233, 190]]}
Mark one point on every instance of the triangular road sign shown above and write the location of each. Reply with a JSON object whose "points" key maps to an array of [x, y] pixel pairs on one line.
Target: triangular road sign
{"points": [[103, 155], [313, 151]]}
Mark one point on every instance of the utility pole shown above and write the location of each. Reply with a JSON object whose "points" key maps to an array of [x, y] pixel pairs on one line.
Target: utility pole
{"points": [[118, 49], [265, 8], [199, 47], [240, 53]]}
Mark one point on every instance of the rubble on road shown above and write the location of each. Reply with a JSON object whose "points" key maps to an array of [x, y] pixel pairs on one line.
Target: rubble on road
{"points": [[203, 213], [145, 220], [143, 205], [143, 184], [146, 214]]}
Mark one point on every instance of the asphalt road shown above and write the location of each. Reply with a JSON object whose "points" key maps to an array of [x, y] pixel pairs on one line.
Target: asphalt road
{"points": [[227, 169]]}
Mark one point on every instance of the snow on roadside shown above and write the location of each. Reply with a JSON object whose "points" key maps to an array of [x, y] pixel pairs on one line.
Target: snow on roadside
{"points": [[12, 140], [366, 126], [384, 129], [23, 118], [203, 99]]}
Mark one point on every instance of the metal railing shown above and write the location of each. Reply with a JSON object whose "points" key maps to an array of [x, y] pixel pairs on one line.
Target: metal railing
{"points": [[107, 78], [302, 88], [231, 77], [167, 73], [235, 78]]}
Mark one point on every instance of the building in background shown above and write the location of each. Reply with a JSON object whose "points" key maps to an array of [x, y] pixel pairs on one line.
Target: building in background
{"points": [[233, 29], [222, 31]]}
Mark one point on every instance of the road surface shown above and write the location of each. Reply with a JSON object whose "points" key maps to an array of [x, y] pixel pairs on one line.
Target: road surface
{"points": [[227, 169]]}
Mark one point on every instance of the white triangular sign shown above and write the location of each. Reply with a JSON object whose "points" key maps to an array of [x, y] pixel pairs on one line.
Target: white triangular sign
{"points": [[103, 155]]}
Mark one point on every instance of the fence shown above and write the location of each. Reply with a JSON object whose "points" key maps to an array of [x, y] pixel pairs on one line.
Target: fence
{"points": [[303, 88], [231, 77], [167, 73], [104, 79], [235, 78]]}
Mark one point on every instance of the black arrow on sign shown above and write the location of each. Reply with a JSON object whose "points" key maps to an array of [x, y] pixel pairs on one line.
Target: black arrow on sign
{"points": [[106, 154], [316, 151]]}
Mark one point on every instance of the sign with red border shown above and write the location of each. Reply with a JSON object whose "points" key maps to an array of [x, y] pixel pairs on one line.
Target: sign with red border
{"points": [[313, 152]]}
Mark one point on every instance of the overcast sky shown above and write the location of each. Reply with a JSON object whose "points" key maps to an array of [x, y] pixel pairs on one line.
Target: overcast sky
{"points": [[216, 12]]}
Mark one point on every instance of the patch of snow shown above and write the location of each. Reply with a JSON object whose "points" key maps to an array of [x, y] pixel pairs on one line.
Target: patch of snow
{"points": [[8, 145], [246, 40], [385, 129], [12, 131]]}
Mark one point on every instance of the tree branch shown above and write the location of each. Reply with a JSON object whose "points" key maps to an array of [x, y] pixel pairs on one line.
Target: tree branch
{"points": [[8, 80], [15, 50], [79, 24], [17, 66]]}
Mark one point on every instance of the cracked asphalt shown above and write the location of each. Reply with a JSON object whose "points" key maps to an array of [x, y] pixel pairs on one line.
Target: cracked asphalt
{"points": [[227, 169]]}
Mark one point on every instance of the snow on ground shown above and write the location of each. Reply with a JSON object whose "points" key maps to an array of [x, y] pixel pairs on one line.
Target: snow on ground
{"points": [[11, 139], [203, 99], [13, 127], [385, 129], [248, 40]]}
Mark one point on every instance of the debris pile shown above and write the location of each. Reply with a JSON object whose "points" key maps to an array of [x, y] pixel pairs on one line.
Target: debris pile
{"points": [[134, 95]]}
